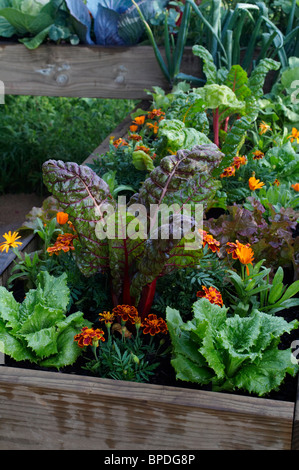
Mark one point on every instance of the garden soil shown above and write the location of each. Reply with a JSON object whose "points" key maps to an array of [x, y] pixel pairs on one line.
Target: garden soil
{"points": [[14, 208]]}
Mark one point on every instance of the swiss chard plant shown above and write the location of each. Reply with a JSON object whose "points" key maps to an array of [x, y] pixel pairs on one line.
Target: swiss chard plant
{"points": [[229, 97], [38, 329], [230, 352], [135, 261]]}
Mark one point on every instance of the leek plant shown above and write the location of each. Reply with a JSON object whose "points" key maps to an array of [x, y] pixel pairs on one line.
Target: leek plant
{"points": [[222, 31]]}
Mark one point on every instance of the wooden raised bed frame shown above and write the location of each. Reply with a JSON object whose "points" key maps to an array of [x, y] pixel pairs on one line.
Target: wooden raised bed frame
{"points": [[43, 410]]}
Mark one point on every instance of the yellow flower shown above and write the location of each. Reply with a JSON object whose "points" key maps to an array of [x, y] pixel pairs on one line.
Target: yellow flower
{"points": [[10, 241], [294, 135], [264, 128], [254, 183], [107, 317]]}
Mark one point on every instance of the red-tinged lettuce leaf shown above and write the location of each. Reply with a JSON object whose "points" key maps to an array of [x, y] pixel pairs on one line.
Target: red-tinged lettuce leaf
{"points": [[84, 197]]}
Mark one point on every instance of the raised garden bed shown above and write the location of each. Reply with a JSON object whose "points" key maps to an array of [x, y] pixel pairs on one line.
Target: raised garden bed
{"points": [[43, 410]]}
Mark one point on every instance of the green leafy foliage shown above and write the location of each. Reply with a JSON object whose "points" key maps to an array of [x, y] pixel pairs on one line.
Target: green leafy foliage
{"points": [[34, 129], [134, 262], [230, 352], [271, 238], [38, 330]]}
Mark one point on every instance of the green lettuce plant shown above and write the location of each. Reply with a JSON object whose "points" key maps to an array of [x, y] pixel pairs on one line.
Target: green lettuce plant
{"points": [[135, 263], [230, 352], [38, 329]]}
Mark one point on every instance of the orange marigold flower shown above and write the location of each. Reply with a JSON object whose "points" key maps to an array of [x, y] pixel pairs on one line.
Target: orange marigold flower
{"points": [[255, 184], [62, 218], [64, 243], [238, 161], [295, 186], [155, 113], [264, 128], [143, 148], [89, 337], [154, 325], [133, 128], [276, 182], [10, 241], [208, 239], [118, 142], [257, 155], [294, 135], [154, 127], [212, 294], [107, 317], [126, 312], [229, 171]]}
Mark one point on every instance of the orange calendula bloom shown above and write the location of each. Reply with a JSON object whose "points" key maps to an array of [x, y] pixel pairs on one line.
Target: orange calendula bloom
{"points": [[212, 294], [10, 241], [255, 184], [107, 317], [294, 135], [232, 247], [208, 239], [264, 128], [229, 171], [89, 337], [139, 120], [154, 325], [243, 253], [62, 218], [258, 154], [126, 312], [295, 186]]}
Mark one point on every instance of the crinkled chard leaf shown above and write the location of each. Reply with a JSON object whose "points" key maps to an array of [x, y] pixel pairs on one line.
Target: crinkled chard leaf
{"points": [[85, 197]]}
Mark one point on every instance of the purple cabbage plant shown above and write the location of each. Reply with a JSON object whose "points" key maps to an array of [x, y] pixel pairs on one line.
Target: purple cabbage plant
{"points": [[114, 22]]}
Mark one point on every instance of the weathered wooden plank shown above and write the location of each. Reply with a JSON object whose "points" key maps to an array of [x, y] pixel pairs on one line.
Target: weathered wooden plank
{"points": [[295, 440], [47, 410], [84, 71]]}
